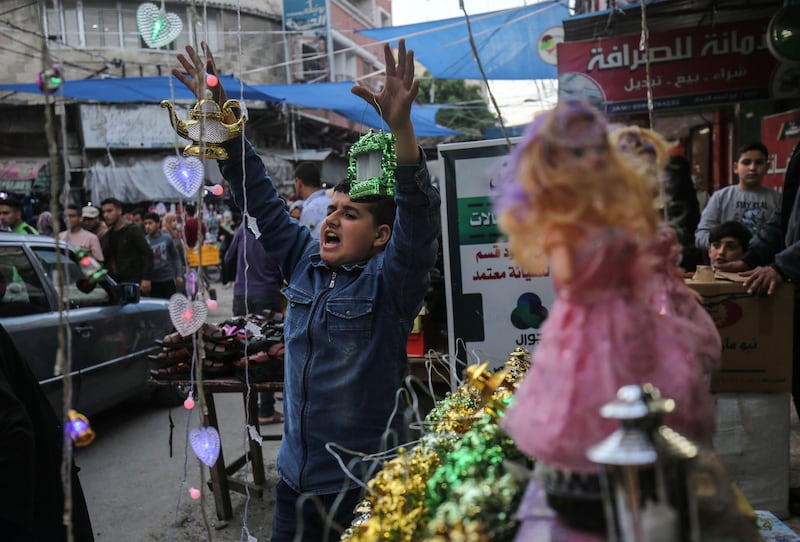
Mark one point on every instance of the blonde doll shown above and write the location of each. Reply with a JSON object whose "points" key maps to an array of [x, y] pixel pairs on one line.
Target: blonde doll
{"points": [[570, 194], [648, 151]]}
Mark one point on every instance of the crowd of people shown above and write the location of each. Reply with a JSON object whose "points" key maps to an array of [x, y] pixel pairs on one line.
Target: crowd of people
{"points": [[149, 246]]}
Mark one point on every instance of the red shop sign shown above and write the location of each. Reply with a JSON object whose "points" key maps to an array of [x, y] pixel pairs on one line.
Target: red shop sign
{"points": [[690, 67]]}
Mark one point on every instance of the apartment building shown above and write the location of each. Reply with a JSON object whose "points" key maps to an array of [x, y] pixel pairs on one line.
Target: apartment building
{"points": [[114, 147]]}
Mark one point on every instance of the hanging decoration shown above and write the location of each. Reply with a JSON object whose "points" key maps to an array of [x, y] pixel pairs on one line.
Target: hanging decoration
{"points": [[372, 161], [206, 128], [216, 189], [50, 80], [783, 34], [91, 268], [157, 27], [184, 174], [191, 284], [78, 429], [187, 316], [206, 444]]}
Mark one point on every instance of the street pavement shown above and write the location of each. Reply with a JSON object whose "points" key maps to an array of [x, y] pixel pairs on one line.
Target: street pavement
{"points": [[137, 473]]}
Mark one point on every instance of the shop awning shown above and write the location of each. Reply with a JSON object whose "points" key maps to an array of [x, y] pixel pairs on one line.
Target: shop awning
{"points": [[337, 97], [25, 176], [517, 43], [134, 89], [132, 178], [332, 96]]}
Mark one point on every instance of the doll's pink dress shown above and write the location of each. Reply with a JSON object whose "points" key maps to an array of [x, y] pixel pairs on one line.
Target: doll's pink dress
{"points": [[605, 332], [674, 297]]}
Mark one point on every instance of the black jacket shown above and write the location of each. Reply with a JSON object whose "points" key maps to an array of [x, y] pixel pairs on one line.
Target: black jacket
{"points": [[31, 440]]}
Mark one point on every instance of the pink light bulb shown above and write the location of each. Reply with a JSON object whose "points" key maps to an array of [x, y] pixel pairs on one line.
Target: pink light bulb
{"points": [[194, 493], [187, 314], [216, 189], [212, 304], [188, 404], [212, 80]]}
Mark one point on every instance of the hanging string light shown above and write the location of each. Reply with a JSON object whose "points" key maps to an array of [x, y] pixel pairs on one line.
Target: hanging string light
{"points": [[79, 429], [184, 174], [50, 80], [157, 27]]}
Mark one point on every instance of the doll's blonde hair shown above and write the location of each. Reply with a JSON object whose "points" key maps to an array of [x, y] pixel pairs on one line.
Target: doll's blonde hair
{"points": [[538, 195]]}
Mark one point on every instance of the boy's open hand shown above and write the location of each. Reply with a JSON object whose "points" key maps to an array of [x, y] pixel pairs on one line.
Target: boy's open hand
{"points": [[196, 70], [394, 102]]}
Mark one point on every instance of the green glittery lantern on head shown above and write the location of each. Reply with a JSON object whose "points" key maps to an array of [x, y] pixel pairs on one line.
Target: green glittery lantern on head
{"points": [[371, 166]]}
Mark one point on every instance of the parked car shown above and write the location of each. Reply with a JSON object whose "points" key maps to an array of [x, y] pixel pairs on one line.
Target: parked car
{"points": [[108, 330]]}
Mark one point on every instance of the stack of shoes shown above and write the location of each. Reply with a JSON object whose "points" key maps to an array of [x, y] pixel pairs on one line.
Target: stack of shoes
{"points": [[174, 360], [249, 347], [262, 359], [221, 349]]}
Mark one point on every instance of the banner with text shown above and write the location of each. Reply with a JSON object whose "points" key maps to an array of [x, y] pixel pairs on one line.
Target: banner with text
{"points": [[306, 23], [689, 67], [493, 305]]}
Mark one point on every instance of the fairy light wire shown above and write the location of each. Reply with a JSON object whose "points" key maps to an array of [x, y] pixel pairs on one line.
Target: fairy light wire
{"points": [[63, 364]]}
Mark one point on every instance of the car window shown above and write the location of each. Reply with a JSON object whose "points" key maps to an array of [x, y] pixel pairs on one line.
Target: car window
{"points": [[21, 290], [78, 292]]}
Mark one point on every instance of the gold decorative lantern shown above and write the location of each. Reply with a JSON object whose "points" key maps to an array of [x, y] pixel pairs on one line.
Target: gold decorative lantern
{"points": [[206, 128]]}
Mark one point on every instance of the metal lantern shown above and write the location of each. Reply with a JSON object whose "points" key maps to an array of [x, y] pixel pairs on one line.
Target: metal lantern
{"points": [[372, 161], [644, 471]]}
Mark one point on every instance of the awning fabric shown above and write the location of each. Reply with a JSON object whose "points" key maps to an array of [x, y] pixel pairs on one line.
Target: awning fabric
{"points": [[134, 89], [516, 43], [25, 176], [337, 97], [333, 96], [133, 177]]}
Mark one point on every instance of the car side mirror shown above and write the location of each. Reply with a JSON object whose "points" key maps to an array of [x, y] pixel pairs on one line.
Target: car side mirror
{"points": [[129, 292]]}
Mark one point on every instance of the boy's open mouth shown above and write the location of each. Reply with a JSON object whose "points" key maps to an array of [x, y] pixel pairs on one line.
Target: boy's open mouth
{"points": [[331, 240]]}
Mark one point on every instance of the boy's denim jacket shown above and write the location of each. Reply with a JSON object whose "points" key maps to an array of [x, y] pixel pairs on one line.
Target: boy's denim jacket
{"points": [[345, 330]]}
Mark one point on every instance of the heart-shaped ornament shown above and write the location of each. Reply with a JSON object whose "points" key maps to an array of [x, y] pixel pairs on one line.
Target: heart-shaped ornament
{"points": [[187, 316], [157, 27], [184, 174], [205, 443]]}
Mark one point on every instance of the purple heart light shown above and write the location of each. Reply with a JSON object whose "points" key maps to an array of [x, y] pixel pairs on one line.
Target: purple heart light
{"points": [[205, 443], [184, 174]]}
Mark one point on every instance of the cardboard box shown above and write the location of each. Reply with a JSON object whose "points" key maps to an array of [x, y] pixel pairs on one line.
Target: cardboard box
{"points": [[756, 333]]}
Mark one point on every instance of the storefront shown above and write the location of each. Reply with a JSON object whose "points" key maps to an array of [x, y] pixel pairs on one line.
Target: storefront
{"points": [[705, 77]]}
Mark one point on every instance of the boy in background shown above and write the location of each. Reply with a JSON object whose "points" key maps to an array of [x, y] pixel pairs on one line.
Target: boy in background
{"points": [[748, 201], [167, 276], [727, 243]]}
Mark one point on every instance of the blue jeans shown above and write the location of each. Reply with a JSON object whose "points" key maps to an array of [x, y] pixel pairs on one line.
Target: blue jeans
{"points": [[311, 523]]}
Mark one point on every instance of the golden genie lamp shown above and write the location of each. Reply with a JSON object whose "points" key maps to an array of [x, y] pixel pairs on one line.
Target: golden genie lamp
{"points": [[206, 128]]}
